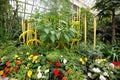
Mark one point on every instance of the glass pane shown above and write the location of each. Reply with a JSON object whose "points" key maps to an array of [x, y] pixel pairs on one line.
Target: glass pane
{"points": [[28, 8], [21, 7]]}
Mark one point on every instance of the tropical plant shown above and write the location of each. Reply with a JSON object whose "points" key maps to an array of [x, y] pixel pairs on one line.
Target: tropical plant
{"points": [[52, 33], [107, 9]]}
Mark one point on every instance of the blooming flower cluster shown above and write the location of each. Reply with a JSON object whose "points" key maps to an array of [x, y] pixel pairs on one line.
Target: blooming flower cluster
{"points": [[58, 70], [97, 69], [11, 66], [83, 60], [24, 63], [100, 60]]}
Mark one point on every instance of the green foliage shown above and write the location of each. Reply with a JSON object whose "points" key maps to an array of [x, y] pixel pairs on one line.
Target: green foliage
{"points": [[9, 22], [111, 52], [53, 26]]}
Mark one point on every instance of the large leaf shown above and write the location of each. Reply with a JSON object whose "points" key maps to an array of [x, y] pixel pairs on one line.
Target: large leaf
{"points": [[66, 37]]}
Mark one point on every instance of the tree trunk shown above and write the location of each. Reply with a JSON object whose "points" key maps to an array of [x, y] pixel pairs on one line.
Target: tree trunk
{"points": [[113, 25]]}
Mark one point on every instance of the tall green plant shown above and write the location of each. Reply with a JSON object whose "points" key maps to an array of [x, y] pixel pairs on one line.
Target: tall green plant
{"points": [[54, 26], [7, 19]]}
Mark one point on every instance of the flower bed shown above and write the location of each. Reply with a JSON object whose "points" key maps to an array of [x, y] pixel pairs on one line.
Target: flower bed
{"points": [[35, 66]]}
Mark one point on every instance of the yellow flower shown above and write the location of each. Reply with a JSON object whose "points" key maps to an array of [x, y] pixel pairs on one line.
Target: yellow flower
{"points": [[85, 59], [27, 53], [96, 60], [83, 62], [29, 73], [3, 58], [101, 60], [26, 67], [1, 72], [81, 59], [15, 57], [104, 60], [34, 59], [30, 57], [18, 57]]}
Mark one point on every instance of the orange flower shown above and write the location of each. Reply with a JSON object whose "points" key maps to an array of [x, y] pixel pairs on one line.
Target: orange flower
{"points": [[7, 70], [8, 64], [64, 78], [18, 63], [4, 75], [15, 69], [69, 72]]}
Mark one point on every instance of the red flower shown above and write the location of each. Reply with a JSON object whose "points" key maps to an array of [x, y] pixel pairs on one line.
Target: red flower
{"points": [[35, 54], [18, 63], [7, 70], [15, 69], [60, 76], [116, 64], [57, 64], [56, 72], [4, 75], [8, 64]]}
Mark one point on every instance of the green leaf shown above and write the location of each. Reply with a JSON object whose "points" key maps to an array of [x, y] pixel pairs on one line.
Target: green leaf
{"points": [[66, 37], [52, 38], [46, 30], [43, 37], [52, 32], [72, 29], [58, 35]]}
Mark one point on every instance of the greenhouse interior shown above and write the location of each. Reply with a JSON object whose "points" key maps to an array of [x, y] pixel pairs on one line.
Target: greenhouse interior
{"points": [[59, 39]]}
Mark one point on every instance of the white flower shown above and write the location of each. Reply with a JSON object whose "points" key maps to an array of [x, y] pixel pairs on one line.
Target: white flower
{"points": [[102, 77], [96, 70], [38, 68], [111, 65], [39, 75], [64, 61], [46, 71], [43, 76], [89, 74], [106, 74], [61, 55]]}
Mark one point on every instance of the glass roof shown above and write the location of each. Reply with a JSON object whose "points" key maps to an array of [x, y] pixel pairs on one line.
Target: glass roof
{"points": [[27, 7]]}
